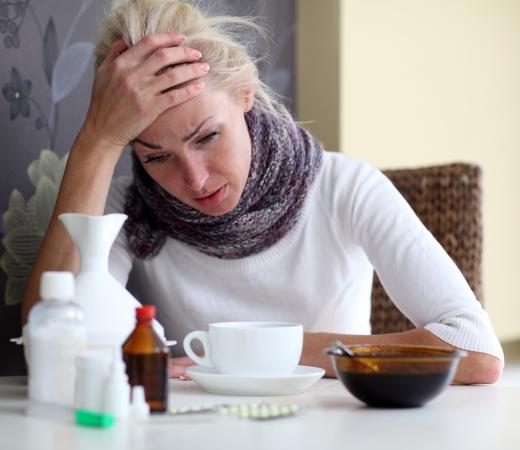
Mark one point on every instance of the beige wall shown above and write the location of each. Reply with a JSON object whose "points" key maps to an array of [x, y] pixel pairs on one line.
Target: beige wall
{"points": [[318, 69], [431, 81]]}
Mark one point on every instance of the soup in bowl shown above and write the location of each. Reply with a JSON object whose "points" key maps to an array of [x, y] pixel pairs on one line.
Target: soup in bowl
{"points": [[396, 375]]}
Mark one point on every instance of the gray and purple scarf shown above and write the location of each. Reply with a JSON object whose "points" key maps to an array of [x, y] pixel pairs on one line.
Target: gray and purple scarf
{"points": [[284, 162]]}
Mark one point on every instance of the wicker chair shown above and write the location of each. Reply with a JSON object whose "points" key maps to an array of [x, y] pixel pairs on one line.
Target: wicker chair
{"points": [[447, 199]]}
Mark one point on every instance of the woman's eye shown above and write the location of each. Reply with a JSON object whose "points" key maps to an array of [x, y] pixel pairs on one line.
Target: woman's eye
{"points": [[156, 159], [208, 137]]}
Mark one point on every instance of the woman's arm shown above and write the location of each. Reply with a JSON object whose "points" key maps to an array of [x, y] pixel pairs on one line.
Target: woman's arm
{"points": [[127, 96], [84, 189], [476, 368], [419, 276]]}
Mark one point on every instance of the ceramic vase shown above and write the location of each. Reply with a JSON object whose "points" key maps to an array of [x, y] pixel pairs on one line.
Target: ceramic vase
{"points": [[109, 308]]}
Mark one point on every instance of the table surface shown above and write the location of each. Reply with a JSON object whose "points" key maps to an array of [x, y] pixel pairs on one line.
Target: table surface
{"points": [[462, 417]]}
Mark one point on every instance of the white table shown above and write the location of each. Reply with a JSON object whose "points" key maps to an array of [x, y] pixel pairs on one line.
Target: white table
{"points": [[463, 417]]}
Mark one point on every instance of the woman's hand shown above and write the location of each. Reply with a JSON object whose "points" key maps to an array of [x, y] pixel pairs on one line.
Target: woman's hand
{"points": [[178, 367], [129, 94]]}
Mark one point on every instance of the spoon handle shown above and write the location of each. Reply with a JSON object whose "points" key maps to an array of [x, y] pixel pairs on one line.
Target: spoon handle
{"points": [[343, 348]]}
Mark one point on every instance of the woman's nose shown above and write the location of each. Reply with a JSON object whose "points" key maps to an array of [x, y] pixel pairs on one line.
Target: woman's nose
{"points": [[195, 173]]}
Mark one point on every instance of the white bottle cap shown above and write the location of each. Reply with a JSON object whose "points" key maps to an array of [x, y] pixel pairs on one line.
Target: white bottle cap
{"points": [[57, 286], [118, 367], [139, 409]]}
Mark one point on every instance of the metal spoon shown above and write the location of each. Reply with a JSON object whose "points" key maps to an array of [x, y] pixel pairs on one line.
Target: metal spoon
{"points": [[344, 348], [340, 349]]}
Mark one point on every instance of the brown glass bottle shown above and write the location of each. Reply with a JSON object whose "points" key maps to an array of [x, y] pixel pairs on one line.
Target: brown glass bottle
{"points": [[146, 359]]}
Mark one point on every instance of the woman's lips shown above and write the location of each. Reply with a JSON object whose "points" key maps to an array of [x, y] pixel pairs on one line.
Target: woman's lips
{"points": [[213, 199]]}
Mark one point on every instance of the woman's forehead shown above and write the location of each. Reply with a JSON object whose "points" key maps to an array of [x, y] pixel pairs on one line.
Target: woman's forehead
{"points": [[184, 118], [178, 122]]}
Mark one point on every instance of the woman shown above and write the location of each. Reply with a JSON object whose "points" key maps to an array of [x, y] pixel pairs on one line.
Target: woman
{"points": [[237, 213]]}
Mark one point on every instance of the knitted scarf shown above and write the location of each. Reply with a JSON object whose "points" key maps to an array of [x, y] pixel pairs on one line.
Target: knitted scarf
{"points": [[284, 162]]}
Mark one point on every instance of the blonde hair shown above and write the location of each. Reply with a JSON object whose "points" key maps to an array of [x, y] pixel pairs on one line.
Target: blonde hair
{"points": [[220, 39]]}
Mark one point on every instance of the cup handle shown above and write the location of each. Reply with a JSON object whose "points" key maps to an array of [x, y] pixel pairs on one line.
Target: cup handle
{"points": [[202, 336]]}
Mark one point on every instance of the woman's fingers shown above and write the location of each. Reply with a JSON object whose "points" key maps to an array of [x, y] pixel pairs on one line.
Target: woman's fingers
{"points": [[178, 76], [149, 44], [176, 371], [165, 57], [179, 95], [158, 73], [117, 48], [178, 367], [185, 361]]}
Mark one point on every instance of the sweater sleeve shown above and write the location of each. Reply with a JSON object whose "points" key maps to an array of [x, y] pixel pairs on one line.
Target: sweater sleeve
{"points": [[415, 270], [120, 260]]}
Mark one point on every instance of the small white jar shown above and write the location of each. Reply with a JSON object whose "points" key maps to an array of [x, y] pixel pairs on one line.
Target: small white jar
{"points": [[92, 372]]}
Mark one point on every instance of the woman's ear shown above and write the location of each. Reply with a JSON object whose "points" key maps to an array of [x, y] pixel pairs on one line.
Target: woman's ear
{"points": [[248, 99]]}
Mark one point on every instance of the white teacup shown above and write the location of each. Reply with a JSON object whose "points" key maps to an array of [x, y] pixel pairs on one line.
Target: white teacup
{"points": [[249, 348]]}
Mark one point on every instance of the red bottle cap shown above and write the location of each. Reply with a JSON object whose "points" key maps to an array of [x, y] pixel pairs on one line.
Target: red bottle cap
{"points": [[145, 312]]}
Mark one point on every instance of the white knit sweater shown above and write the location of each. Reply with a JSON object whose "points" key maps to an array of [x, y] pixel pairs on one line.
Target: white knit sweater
{"points": [[320, 273]]}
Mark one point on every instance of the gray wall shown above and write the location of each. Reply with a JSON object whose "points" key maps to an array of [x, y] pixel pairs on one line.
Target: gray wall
{"points": [[46, 75]]}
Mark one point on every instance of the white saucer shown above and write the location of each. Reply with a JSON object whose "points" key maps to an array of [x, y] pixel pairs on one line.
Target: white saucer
{"points": [[216, 383]]}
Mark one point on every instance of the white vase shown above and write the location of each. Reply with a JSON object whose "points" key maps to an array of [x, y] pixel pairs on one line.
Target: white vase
{"points": [[109, 308]]}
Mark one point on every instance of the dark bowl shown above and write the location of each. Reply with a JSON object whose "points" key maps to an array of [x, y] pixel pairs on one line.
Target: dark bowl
{"points": [[396, 376]]}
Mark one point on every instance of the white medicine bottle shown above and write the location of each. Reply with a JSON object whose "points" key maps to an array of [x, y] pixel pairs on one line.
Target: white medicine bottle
{"points": [[54, 336]]}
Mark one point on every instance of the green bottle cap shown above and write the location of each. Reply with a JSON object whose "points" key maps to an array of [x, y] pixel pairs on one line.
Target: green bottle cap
{"points": [[94, 419]]}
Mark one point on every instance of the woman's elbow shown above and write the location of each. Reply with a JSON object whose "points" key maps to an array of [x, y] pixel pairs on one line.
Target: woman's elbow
{"points": [[478, 368]]}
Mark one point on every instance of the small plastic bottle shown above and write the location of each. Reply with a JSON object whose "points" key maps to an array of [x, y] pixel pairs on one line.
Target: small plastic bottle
{"points": [[146, 358], [55, 336], [117, 389]]}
